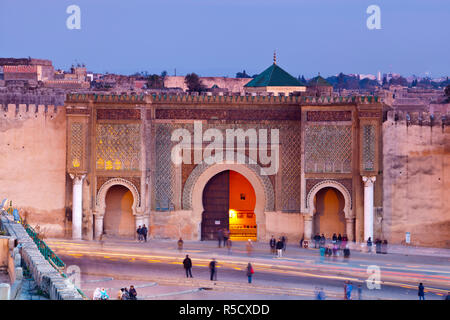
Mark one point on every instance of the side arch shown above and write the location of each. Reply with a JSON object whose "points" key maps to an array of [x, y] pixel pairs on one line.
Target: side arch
{"points": [[101, 195], [348, 210]]}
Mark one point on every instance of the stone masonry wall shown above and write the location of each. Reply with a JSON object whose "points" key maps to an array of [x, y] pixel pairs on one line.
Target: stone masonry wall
{"points": [[416, 179], [33, 164], [46, 277]]}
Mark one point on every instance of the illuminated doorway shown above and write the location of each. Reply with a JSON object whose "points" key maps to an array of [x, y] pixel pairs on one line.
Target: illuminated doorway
{"points": [[242, 205], [119, 219], [229, 202], [329, 217]]}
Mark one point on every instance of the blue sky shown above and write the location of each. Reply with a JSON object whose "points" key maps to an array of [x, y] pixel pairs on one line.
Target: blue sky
{"points": [[222, 37]]}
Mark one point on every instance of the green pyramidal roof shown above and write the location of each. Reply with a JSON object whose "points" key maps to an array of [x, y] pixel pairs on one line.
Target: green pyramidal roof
{"points": [[274, 76], [319, 82]]}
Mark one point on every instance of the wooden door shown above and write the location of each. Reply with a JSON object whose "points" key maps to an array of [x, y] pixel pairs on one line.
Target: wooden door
{"points": [[216, 205]]}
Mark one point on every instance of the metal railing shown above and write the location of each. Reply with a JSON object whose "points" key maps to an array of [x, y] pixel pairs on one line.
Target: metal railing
{"points": [[45, 250]]}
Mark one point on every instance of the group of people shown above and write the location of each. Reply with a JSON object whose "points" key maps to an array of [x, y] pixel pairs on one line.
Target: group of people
{"points": [[380, 245], [223, 236], [100, 294], [187, 264], [334, 247], [339, 240], [142, 233], [277, 247], [123, 294]]}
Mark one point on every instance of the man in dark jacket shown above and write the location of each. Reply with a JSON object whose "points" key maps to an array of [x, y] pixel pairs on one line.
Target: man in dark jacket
{"points": [[132, 292], [272, 243], [421, 292], [139, 233], [279, 247], [212, 269], [144, 232], [187, 263]]}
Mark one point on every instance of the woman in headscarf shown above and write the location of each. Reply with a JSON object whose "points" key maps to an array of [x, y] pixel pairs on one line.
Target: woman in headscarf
{"points": [[103, 294], [97, 295]]}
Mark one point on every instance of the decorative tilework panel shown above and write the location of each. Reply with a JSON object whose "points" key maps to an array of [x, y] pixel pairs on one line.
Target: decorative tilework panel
{"points": [[76, 145], [291, 169], [368, 156], [164, 175], [328, 148], [118, 146]]}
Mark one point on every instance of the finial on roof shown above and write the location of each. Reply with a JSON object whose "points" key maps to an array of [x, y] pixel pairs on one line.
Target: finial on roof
{"points": [[274, 57]]}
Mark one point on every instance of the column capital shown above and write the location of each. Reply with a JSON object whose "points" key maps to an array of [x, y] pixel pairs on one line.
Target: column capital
{"points": [[369, 180], [77, 179]]}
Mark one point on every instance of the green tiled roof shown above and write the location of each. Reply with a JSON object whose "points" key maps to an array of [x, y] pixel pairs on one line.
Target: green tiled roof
{"points": [[274, 76], [319, 82]]}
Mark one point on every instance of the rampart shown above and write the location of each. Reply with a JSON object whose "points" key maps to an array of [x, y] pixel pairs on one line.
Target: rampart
{"points": [[32, 165], [416, 178]]}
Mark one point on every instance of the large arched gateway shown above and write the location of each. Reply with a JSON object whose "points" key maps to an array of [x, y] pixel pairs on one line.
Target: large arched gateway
{"points": [[195, 185], [229, 203]]}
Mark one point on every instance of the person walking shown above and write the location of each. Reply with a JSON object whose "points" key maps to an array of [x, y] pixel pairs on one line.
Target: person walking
{"points": [[180, 244], [250, 272], [187, 264], [334, 238], [316, 240], [284, 240], [322, 240], [359, 292], [320, 294], [301, 241], [279, 247], [273, 244], [226, 236], [229, 245], [212, 269], [220, 237], [369, 245], [249, 247], [349, 291], [421, 292], [139, 233], [144, 232]]}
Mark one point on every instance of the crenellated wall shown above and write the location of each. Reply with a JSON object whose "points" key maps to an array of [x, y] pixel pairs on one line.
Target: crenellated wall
{"points": [[416, 178], [33, 163]]}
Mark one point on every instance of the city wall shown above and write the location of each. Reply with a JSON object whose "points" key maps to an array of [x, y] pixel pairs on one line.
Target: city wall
{"points": [[33, 163], [416, 178]]}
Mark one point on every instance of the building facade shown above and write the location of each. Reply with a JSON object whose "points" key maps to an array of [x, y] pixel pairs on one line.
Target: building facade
{"points": [[292, 166]]}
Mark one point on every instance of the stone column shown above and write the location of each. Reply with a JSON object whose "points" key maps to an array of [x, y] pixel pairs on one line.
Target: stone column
{"points": [[308, 226], [77, 209], [98, 226], [350, 228], [368, 206]]}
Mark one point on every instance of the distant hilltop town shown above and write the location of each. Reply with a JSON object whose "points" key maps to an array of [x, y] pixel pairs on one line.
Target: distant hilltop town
{"points": [[36, 81]]}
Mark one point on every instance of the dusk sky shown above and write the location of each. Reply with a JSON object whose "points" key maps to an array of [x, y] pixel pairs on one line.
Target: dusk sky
{"points": [[222, 37]]}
